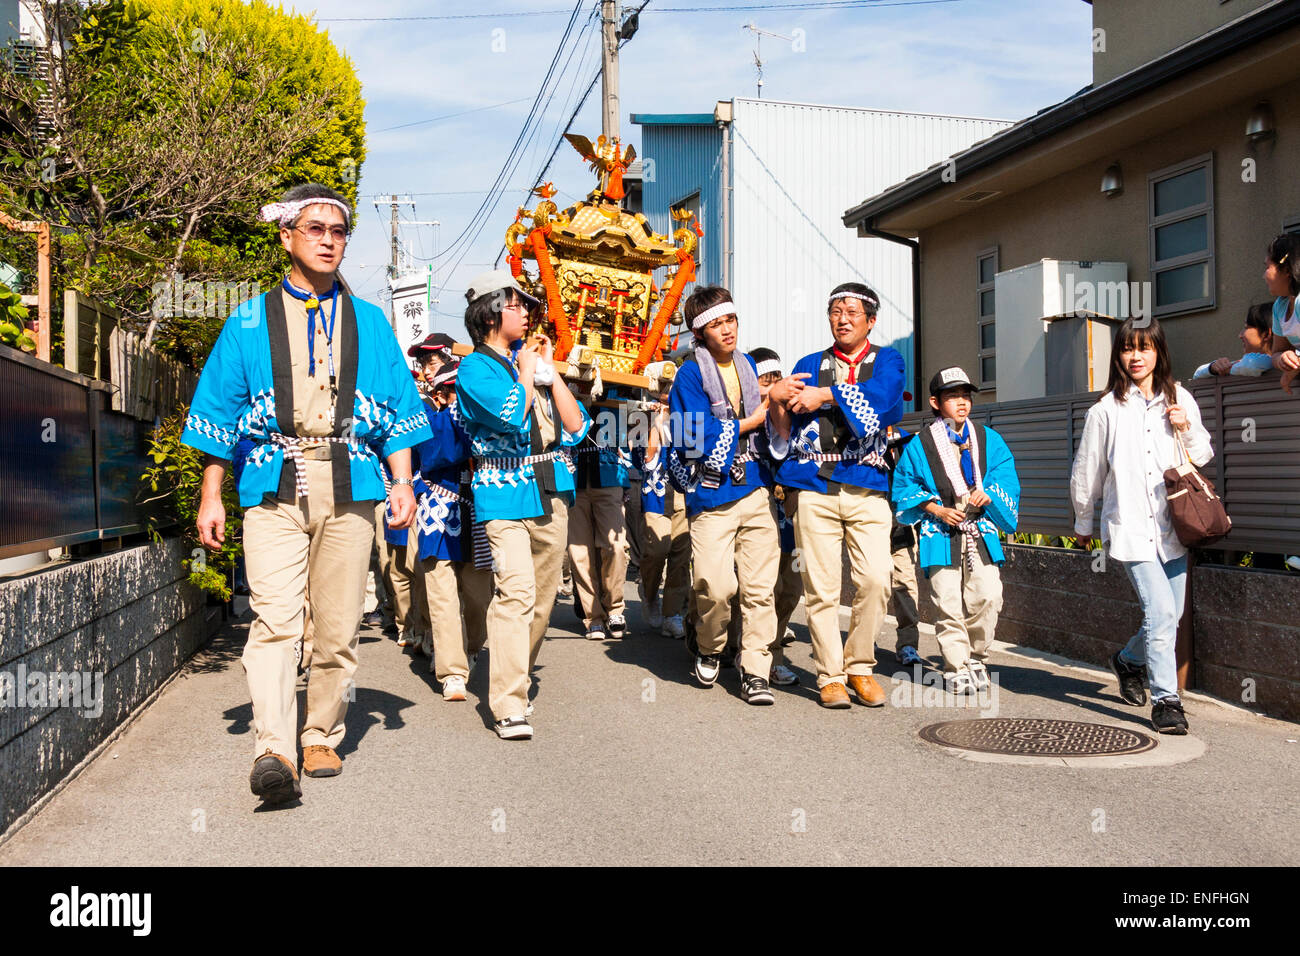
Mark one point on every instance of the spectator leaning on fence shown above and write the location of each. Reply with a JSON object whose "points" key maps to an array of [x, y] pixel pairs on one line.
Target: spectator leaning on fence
{"points": [[316, 380], [1257, 341], [1282, 275], [1128, 443]]}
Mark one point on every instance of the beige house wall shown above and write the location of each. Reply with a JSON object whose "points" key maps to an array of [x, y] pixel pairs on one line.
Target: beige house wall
{"points": [[1138, 31], [1068, 217]]}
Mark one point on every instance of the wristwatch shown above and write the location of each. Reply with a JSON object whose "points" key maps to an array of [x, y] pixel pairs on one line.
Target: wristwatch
{"points": [[402, 481]]}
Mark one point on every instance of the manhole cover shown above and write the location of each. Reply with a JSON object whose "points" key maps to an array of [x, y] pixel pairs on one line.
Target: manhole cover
{"points": [[1037, 738]]}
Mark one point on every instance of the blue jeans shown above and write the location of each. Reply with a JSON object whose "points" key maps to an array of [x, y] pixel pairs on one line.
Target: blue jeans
{"points": [[1162, 591]]}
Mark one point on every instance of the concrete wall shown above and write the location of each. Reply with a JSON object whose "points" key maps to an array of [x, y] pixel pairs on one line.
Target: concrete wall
{"points": [[131, 617], [1244, 622], [1246, 633], [1138, 32], [1067, 217]]}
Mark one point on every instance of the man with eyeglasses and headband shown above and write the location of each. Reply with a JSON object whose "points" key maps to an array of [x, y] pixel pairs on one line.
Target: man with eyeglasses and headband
{"points": [[314, 379], [831, 417]]}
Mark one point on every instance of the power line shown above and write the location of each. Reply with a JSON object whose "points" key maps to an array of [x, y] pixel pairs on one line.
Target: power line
{"points": [[447, 16], [513, 158], [808, 5], [438, 119]]}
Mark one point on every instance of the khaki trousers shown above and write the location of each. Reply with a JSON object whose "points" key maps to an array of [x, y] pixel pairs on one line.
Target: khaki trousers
{"points": [[968, 604], [789, 589], [636, 530], [597, 524], [379, 583], [408, 588], [666, 555], [458, 594], [903, 597], [858, 518], [527, 555], [735, 550], [286, 546]]}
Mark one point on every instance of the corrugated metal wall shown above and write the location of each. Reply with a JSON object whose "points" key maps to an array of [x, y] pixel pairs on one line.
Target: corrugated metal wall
{"points": [[678, 160], [796, 169]]}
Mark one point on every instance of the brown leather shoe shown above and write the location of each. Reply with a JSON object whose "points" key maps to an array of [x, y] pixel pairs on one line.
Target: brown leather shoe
{"points": [[868, 691], [321, 761], [274, 778], [835, 696]]}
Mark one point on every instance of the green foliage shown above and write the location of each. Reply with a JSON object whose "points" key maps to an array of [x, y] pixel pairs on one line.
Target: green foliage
{"points": [[13, 316], [176, 475], [1044, 540], [152, 87]]}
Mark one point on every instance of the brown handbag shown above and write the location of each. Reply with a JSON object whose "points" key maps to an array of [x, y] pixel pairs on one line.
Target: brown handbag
{"points": [[1197, 512]]}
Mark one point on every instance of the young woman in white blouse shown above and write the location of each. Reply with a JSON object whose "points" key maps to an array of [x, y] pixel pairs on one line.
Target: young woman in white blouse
{"points": [[1128, 443]]}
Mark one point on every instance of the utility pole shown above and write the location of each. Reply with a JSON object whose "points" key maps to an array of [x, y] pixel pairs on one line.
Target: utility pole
{"points": [[609, 30], [394, 266]]}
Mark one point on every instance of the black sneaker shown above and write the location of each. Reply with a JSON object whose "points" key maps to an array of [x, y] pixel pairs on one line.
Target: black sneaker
{"points": [[616, 626], [1130, 680], [754, 690], [706, 668], [1167, 716]]}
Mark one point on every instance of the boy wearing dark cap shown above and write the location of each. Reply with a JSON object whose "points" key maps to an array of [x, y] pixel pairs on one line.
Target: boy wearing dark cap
{"points": [[957, 481]]}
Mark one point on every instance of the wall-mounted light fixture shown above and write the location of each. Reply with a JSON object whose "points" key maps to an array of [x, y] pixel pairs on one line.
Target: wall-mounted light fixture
{"points": [[1261, 125], [1112, 180]]}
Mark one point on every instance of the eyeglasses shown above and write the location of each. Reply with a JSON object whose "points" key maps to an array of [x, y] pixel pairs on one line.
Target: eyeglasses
{"points": [[517, 306], [848, 313], [315, 231]]}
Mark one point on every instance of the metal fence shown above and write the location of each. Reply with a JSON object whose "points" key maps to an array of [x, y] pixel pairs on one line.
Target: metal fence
{"points": [[1255, 428], [70, 466]]}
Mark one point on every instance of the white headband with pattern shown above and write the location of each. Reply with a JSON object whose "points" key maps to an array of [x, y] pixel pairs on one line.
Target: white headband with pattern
{"points": [[708, 315], [853, 295], [286, 212], [766, 366]]}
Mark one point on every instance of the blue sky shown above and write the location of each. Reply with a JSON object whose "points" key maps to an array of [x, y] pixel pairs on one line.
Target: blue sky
{"points": [[1001, 59]]}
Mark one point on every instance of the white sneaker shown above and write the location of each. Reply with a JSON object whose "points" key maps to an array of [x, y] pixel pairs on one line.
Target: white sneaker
{"points": [[788, 637], [407, 638], [529, 710], [453, 688], [979, 674], [673, 627], [514, 728], [960, 683], [782, 676]]}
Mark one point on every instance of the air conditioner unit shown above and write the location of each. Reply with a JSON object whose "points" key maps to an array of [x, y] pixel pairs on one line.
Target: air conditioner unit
{"points": [[1030, 299]]}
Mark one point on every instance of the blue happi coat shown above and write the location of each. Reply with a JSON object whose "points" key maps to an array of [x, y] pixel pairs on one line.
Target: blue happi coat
{"points": [[655, 480], [867, 408], [600, 460], [490, 405], [443, 523], [704, 447], [245, 394], [919, 479]]}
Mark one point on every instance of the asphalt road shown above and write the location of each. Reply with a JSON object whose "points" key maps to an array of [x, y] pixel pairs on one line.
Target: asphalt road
{"points": [[634, 764]]}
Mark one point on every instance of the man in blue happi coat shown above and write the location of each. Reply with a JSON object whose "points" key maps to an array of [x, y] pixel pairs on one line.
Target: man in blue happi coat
{"points": [[314, 382]]}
